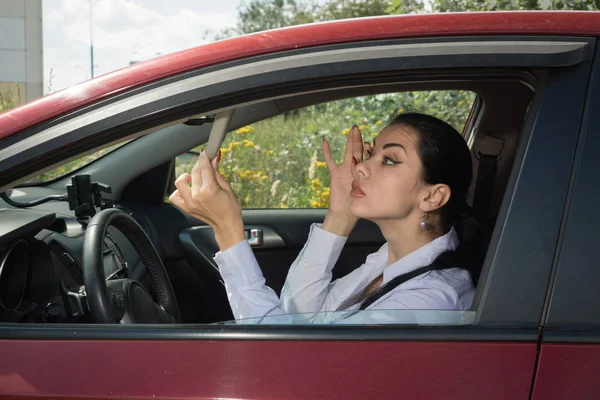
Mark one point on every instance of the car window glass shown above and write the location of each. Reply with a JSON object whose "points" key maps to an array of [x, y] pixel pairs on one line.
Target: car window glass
{"points": [[404, 317], [278, 162], [74, 165]]}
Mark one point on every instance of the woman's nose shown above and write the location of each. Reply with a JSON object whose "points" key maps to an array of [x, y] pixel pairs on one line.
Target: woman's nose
{"points": [[360, 169]]}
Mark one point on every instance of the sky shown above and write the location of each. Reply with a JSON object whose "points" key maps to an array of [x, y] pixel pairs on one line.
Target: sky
{"points": [[123, 31]]}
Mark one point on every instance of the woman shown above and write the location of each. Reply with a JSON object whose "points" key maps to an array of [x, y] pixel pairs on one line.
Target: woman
{"points": [[412, 183]]}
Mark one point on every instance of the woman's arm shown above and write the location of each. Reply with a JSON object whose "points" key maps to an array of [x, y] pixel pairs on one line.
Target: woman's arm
{"points": [[308, 281], [248, 295]]}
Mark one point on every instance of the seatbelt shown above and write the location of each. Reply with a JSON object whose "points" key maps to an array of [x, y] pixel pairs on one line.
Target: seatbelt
{"points": [[484, 186], [445, 260]]}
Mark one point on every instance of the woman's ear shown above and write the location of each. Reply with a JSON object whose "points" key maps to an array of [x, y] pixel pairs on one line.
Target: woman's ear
{"points": [[435, 197]]}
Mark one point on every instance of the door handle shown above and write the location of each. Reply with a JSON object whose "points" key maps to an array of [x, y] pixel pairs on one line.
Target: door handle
{"points": [[254, 236]]}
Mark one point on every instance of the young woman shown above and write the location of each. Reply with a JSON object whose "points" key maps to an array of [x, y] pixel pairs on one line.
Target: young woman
{"points": [[412, 182]]}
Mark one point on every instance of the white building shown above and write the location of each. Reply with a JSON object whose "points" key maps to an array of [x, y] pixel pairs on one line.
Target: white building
{"points": [[21, 49]]}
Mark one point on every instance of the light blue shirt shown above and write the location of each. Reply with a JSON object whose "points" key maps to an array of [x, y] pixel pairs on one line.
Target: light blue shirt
{"points": [[309, 296]]}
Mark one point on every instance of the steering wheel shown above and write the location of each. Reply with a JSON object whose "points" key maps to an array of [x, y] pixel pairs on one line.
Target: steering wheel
{"points": [[125, 300]]}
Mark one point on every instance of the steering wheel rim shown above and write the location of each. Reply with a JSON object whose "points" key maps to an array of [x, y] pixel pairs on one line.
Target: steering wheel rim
{"points": [[98, 299]]}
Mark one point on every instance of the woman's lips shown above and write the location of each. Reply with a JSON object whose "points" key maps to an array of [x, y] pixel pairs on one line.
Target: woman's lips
{"points": [[356, 190]]}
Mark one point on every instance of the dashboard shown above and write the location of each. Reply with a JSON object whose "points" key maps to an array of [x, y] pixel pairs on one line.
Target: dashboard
{"points": [[40, 263]]}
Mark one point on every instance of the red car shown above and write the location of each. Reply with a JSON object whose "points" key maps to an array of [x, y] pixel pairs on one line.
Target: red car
{"points": [[109, 291]]}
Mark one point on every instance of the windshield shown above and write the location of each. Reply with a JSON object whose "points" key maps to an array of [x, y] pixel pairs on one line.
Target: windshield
{"points": [[74, 165]]}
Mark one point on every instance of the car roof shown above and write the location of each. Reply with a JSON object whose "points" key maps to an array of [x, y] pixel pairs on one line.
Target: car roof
{"points": [[563, 23]]}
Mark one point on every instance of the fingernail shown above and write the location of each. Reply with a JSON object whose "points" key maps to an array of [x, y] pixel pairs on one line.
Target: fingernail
{"points": [[366, 143], [355, 160], [218, 156], [354, 126]]}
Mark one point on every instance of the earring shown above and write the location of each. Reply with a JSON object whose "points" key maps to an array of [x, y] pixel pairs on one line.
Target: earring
{"points": [[423, 223]]}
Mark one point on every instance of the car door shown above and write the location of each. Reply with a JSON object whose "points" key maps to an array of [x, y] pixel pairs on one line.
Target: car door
{"points": [[493, 356], [569, 361]]}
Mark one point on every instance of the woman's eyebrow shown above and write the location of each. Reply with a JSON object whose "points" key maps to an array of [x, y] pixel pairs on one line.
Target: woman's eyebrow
{"points": [[385, 146]]}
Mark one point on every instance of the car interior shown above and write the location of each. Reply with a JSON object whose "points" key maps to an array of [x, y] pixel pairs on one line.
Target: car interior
{"points": [[42, 271]]}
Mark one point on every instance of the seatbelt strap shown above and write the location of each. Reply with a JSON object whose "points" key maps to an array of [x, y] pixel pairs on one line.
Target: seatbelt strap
{"points": [[484, 186], [443, 261]]}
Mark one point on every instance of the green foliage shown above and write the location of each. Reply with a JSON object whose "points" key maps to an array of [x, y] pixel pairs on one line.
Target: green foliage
{"points": [[8, 100], [278, 162], [260, 15]]}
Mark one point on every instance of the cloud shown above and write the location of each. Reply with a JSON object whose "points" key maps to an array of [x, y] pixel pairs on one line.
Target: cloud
{"points": [[124, 31]]}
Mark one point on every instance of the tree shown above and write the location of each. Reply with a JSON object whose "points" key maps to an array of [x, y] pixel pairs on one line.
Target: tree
{"points": [[398, 6], [261, 15]]}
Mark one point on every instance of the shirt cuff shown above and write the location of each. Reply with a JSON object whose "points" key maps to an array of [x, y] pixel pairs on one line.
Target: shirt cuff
{"points": [[322, 246], [238, 264]]}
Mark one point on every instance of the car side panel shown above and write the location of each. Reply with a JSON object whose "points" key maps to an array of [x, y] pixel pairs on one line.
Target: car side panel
{"points": [[276, 369], [568, 371]]}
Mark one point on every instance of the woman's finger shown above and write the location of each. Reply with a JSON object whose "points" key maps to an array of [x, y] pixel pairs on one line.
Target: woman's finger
{"points": [[357, 144], [176, 199], [223, 184], [206, 169], [367, 149], [349, 153], [327, 155], [183, 187]]}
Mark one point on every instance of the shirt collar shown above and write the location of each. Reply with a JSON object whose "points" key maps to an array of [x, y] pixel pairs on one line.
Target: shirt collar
{"points": [[421, 257]]}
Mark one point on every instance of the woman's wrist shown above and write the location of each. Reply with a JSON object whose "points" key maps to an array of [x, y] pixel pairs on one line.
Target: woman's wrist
{"points": [[228, 235], [338, 224]]}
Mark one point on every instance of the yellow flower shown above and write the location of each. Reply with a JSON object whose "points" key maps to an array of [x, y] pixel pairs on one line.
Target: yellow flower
{"points": [[247, 199], [374, 134], [363, 127], [401, 110], [379, 122], [321, 164], [269, 152], [249, 144], [283, 206], [346, 131], [316, 184], [244, 130]]}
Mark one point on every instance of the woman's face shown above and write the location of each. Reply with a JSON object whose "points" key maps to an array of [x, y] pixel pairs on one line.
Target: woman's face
{"points": [[387, 184]]}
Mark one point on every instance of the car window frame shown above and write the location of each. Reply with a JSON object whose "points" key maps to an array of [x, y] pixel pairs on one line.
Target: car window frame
{"points": [[573, 305], [524, 328]]}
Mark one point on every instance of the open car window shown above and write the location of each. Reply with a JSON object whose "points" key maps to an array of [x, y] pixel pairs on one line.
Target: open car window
{"points": [[278, 162]]}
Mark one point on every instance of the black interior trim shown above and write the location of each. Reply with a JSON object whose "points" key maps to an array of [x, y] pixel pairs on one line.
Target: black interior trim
{"points": [[266, 332]]}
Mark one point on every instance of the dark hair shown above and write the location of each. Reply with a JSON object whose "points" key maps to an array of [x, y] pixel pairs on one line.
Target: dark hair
{"points": [[445, 158]]}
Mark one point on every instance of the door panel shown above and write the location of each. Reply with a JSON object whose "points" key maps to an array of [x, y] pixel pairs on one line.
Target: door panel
{"points": [[568, 371], [273, 369], [291, 228]]}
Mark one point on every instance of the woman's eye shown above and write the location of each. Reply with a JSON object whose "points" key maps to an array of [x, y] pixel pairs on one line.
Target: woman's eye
{"points": [[389, 161]]}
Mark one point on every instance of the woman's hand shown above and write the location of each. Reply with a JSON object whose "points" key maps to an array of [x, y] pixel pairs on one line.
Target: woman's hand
{"points": [[339, 219], [207, 196]]}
